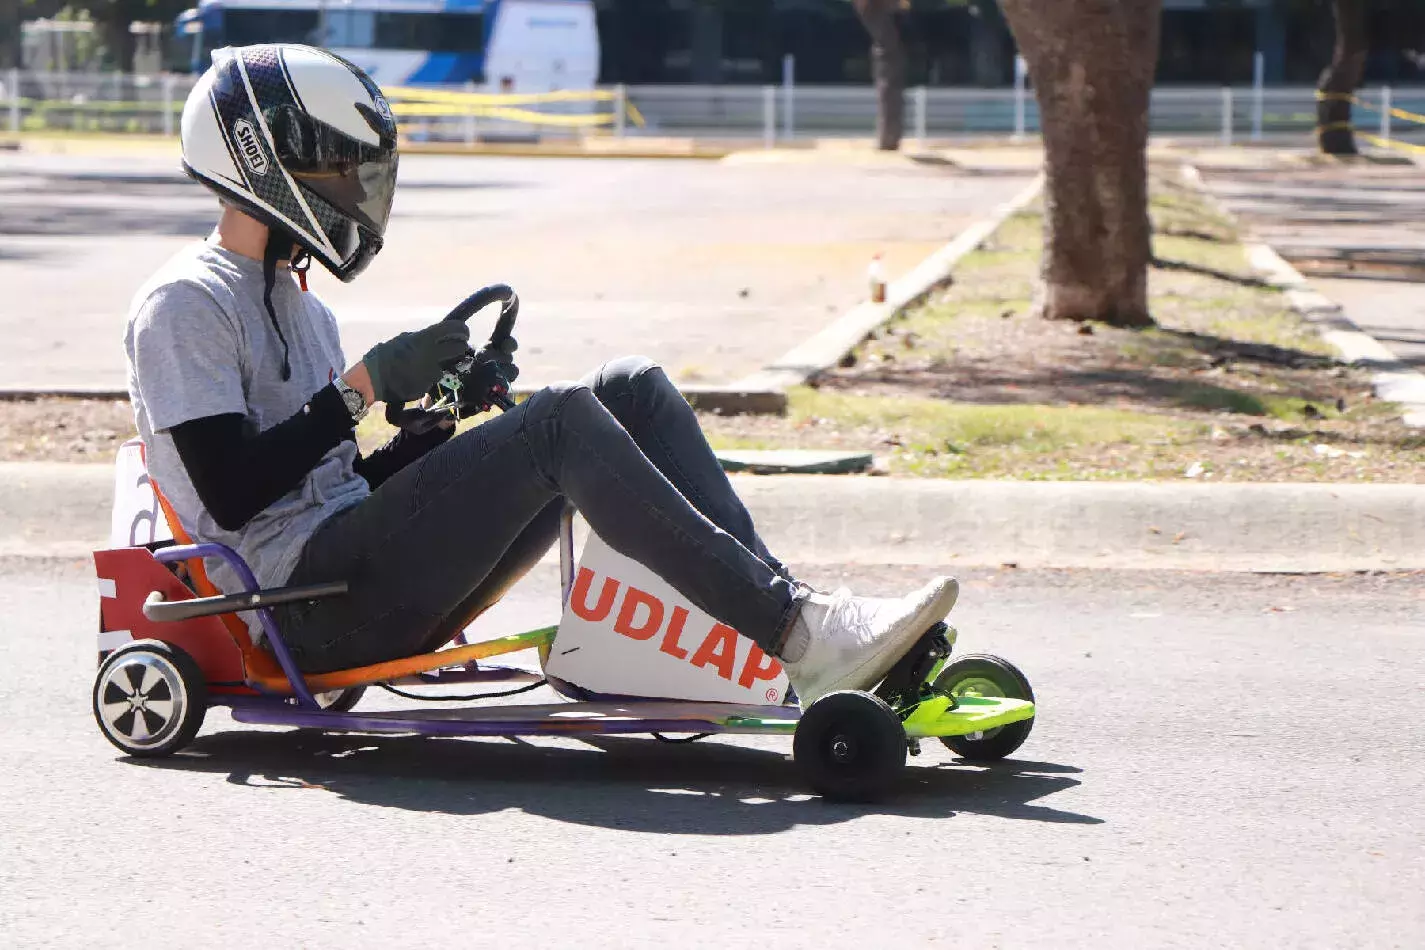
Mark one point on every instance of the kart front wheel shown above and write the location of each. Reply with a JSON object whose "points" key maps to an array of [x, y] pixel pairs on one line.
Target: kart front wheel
{"points": [[980, 674], [851, 746], [150, 698]]}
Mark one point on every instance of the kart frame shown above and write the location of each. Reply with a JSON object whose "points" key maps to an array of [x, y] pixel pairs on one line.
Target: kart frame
{"points": [[297, 703]]}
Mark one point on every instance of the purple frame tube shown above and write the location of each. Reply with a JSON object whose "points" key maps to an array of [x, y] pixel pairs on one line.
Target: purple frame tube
{"points": [[272, 715], [234, 560]]}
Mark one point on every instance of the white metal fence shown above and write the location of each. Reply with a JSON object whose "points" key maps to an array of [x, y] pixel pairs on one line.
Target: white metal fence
{"points": [[108, 102]]}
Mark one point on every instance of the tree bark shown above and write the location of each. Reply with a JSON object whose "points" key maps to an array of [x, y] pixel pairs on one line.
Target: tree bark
{"points": [[887, 68], [9, 34], [1341, 79], [1092, 63], [118, 38]]}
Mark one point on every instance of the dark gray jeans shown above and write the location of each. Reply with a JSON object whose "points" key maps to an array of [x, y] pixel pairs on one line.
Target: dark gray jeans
{"points": [[444, 538]]}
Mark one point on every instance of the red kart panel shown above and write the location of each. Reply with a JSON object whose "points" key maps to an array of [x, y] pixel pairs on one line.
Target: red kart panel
{"points": [[126, 577]]}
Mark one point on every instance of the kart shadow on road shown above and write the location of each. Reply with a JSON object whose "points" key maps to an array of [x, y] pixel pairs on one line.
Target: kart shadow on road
{"points": [[634, 784]]}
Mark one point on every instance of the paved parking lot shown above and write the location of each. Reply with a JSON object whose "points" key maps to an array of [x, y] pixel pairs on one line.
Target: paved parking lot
{"points": [[714, 269]]}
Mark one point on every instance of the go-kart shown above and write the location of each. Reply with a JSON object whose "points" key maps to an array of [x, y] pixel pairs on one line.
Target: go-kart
{"points": [[629, 655]]}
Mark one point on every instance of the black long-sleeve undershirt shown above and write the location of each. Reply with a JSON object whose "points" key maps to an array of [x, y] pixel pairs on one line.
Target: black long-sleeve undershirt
{"points": [[403, 449], [237, 475]]}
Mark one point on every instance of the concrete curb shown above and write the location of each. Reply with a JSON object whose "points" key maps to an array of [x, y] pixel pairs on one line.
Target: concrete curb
{"points": [[59, 510], [1392, 379], [827, 348]]}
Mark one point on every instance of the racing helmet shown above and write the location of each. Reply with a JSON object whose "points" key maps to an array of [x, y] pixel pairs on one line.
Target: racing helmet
{"points": [[300, 139]]}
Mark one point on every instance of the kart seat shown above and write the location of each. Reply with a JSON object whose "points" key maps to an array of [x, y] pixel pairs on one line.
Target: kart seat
{"points": [[262, 671]]}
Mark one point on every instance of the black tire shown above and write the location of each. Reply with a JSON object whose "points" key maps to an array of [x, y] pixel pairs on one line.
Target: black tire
{"points": [[984, 675], [150, 698], [851, 747], [343, 700]]}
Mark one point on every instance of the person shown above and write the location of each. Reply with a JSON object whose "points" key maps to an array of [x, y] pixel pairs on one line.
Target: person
{"points": [[247, 409]]}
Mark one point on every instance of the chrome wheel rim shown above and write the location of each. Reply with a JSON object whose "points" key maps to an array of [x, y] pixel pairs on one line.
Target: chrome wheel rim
{"points": [[979, 687], [141, 700]]}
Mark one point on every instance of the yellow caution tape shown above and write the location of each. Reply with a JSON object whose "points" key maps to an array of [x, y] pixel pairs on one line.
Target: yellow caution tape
{"points": [[494, 107], [1356, 100], [415, 110], [1392, 143], [408, 94]]}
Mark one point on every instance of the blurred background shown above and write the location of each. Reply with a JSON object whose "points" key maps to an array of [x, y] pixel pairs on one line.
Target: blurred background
{"points": [[778, 69]]}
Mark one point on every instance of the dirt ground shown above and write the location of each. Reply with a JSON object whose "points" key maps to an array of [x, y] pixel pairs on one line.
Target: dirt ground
{"points": [[63, 430]]}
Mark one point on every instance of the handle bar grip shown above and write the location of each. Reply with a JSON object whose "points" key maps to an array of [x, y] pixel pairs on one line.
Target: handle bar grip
{"points": [[509, 310]]}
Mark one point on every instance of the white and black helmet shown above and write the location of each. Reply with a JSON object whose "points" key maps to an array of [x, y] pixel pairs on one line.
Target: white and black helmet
{"points": [[303, 141]]}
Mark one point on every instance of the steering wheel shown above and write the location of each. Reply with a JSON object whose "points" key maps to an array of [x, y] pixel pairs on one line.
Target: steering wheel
{"points": [[445, 396]]}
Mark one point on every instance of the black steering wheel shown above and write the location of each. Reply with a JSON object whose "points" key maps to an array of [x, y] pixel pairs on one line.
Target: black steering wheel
{"points": [[446, 395]]}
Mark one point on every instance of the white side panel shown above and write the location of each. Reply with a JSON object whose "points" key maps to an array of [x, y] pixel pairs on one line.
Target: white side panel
{"points": [[136, 517], [627, 632], [543, 46]]}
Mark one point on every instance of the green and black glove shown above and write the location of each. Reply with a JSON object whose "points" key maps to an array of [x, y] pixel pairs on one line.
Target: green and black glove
{"points": [[405, 366]]}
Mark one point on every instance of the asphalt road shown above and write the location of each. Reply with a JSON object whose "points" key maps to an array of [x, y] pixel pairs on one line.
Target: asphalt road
{"points": [[713, 269], [1357, 230], [1221, 761]]}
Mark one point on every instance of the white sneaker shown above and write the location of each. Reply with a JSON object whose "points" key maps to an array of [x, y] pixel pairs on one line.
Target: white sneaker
{"points": [[854, 641]]}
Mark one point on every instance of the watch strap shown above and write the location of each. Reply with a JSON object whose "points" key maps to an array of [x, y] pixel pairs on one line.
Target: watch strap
{"points": [[355, 402]]}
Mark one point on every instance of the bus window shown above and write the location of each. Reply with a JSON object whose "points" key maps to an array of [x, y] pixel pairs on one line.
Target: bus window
{"points": [[455, 32], [355, 29], [433, 32], [247, 27]]}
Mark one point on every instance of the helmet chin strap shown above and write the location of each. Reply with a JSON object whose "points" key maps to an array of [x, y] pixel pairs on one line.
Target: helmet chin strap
{"points": [[300, 264], [279, 247]]}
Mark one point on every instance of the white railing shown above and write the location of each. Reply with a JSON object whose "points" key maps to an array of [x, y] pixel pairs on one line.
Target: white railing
{"points": [[108, 102]]}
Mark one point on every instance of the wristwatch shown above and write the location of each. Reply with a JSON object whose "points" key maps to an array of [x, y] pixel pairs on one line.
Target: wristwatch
{"points": [[355, 402]]}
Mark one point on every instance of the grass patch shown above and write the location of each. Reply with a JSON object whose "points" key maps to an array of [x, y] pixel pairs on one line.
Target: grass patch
{"points": [[1230, 384], [935, 425]]}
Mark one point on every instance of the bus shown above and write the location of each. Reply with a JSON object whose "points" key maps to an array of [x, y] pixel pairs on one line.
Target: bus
{"points": [[517, 46]]}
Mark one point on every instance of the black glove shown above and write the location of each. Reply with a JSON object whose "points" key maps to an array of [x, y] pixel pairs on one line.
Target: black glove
{"points": [[406, 366], [490, 375]]}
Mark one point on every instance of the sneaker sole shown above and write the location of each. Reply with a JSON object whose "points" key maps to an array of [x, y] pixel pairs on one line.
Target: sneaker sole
{"points": [[877, 665]]}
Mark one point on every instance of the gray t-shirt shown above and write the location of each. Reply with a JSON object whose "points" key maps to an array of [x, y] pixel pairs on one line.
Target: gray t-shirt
{"points": [[200, 343]]}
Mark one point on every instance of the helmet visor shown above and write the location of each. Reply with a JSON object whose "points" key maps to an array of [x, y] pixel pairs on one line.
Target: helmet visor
{"points": [[362, 190], [358, 180]]}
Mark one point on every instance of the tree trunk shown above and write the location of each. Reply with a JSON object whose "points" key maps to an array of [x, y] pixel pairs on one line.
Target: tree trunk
{"points": [[887, 69], [1341, 79], [119, 40], [1092, 62], [9, 34]]}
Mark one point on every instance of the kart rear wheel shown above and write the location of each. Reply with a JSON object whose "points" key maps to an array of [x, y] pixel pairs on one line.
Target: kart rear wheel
{"points": [[851, 746], [340, 700], [150, 698], [980, 674]]}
